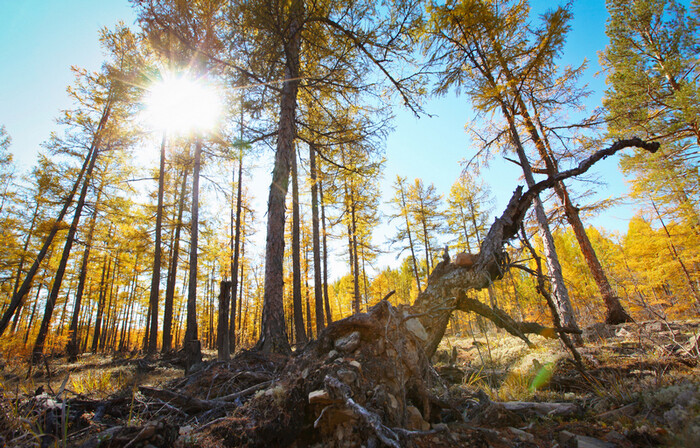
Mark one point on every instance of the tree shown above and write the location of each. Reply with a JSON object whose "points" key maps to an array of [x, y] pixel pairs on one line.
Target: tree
{"points": [[113, 93], [425, 205], [503, 55], [155, 276], [653, 92], [468, 212], [406, 231]]}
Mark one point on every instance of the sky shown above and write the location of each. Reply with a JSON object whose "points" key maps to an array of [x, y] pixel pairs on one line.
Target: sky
{"points": [[41, 39]]}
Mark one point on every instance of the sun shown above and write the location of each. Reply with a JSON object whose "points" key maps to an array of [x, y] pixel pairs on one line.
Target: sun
{"points": [[179, 104]]}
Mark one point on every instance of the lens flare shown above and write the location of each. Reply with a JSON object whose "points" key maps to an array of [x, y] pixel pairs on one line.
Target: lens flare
{"points": [[181, 105]]}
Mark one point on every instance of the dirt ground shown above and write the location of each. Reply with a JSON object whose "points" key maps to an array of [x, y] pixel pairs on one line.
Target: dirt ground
{"points": [[640, 387]]}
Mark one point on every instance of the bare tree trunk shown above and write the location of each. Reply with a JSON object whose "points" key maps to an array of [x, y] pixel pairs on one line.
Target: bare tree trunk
{"points": [[318, 285], [236, 252], [355, 260], [193, 348], [89, 161], [72, 347], [222, 330], [559, 290], [58, 279], [172, 271], [106, 266], [155, 277], [404, 212], [22, 259], [273, 334], [326, 301], [299, 333]]}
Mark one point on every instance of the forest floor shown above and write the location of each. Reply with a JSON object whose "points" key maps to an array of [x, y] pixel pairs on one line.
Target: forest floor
{"points": [[641, 388]]}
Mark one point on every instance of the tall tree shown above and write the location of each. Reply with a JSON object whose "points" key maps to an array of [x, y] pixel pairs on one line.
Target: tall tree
{"points": [[155, 276], [653, 92], [425, 206], [503, 54], [468, 211], [406, 231]]}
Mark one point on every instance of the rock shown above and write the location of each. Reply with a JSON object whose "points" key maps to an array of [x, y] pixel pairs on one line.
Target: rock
{"points": [[348, 343], [415, 327], [598, 331], [522, 435], [568, 439], [622, 333], [592, 442], [440, 427], [319, 396], [415, 420], [347, 376], [393, 402], [676, 417], [332, 354], [614, 437], [356, 365]]}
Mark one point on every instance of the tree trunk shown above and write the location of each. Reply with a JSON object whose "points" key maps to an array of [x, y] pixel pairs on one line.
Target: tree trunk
{"points": [[326, 301], [404, 212], [559, 290], [193, 348], [222, 330], [72, 348], [155, 277], [58, 279], [106, 266], [299, 333], [27, 283], [172, 271], [318, 284], [355, 260], [21, 265], [273, 334]]}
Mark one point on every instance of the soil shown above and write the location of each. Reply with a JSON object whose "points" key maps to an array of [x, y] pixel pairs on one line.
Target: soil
{"points": [[365, 382]]}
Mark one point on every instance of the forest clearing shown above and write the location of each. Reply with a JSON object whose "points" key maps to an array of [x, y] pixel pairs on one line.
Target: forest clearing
{"points": [[143, 303]]}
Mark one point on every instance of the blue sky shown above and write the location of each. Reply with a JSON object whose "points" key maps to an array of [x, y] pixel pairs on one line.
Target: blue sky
{"points": [[41, 39]]}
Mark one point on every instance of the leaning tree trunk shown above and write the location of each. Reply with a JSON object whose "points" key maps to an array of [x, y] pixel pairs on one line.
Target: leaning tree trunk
{"points": [[365, 375], [38, 349]]}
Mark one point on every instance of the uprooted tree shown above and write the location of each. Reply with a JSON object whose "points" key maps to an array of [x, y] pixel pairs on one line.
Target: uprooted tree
{"points": [[367, 380]]}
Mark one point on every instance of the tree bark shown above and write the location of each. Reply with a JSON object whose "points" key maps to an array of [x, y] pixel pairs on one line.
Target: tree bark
{"points": [[172, 271], [448, 283], [273, 334], [27, 283], [224, 350], [236, 252], [155, 277], [318, 285], [106, 267], [326, 300], [72, 348], [58, 279], [193, 349], [21, 266], [299, 332]]}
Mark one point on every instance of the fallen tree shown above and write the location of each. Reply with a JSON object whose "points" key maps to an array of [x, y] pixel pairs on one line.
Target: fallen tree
{"points": [[367, 379]]}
